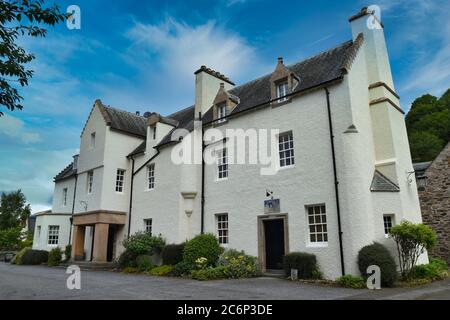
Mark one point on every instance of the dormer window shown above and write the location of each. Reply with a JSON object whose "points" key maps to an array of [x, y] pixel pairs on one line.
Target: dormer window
{"points": [[282, 91], [221, 112]]}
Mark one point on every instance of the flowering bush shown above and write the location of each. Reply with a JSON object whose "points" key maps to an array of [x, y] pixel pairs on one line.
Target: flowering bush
{"points": [[201, 263], [238, 265], [143, 243]]}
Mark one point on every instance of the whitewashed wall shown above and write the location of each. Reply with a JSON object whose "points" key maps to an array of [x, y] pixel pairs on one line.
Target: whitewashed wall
{"points": [[40, 241]]}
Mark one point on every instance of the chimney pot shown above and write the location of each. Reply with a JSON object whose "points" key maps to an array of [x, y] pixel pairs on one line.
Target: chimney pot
{"points": [[280, 60], [138, 113]]}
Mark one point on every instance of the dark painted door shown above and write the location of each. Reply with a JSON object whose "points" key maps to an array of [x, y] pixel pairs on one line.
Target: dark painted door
{"points": [[111, 234], [274, 237]]}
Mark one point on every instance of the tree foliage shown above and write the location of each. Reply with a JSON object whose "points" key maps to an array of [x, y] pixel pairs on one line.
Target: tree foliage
{"points": [[428, 124], [412, 241], [20, 18], [14, 211]]}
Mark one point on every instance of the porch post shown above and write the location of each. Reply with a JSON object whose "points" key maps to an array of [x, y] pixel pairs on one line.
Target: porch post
{"points": [[78, 242], [100, 242]]}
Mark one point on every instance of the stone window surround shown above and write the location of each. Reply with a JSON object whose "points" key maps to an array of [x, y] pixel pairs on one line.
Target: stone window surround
{"points": [[280, 75]]}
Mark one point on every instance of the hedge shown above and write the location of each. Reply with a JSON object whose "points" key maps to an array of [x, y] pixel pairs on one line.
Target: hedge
{"points": [[172, 254], [305, 263], [377, 254]]}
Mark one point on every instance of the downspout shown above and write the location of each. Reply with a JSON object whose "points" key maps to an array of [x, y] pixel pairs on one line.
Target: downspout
{"points": [[202, 190], [131, 188], [73, 209], [131, 197], [336, 181]]}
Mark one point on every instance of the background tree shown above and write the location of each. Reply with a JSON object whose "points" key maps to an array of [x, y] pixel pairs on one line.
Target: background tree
{"points": [[14, 211], [20, 18], [428, 124]]}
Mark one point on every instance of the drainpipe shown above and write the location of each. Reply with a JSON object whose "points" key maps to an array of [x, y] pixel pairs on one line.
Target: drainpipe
{"points": [[336, 182], [202, 190], [131, 197], [73, 209]]}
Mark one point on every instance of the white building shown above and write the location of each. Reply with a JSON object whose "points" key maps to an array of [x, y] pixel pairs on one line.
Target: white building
{"points": [[342, 157]]}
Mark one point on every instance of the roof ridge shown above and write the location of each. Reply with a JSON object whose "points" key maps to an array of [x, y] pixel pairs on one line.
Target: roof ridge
{"points": [[179, 111], [296, 63], [122, 110]]}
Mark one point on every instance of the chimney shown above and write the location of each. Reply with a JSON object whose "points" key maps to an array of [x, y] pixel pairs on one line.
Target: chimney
{"points": [[207, 84], [280, 60], [367, 22], [75, 162], [138, 113]]}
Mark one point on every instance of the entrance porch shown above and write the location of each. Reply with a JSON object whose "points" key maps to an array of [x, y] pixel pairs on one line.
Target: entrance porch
{"points": [[105, 225]]}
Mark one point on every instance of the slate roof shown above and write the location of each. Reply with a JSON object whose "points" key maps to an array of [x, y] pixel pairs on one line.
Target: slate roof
{"points": [[67, 172], [124, 121], [322, 68], [381, 183]]}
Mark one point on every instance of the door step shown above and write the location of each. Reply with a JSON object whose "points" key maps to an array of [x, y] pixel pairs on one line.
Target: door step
{"points": [[274, 274]]}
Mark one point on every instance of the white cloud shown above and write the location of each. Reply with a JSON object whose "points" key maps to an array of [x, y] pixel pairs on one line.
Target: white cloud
{"points": [[182, 49], [15, 128]]}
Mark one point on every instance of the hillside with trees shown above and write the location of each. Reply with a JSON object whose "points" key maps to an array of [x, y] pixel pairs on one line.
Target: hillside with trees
{"points": [[428, 124]]}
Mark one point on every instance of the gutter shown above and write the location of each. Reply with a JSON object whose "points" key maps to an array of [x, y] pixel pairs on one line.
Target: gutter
{"points": [[73, 209], [336, 181]]}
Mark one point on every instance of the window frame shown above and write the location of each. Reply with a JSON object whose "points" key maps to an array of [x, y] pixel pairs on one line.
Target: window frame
{"points": [[120, 184], [283, 153], [90, 182], [52, 236], [222, 168], [92, 140], [281, 96], [315, 224], [151, 181], [64, 199], [386, 227], [223, 229], [146, 225], [221, 116]]}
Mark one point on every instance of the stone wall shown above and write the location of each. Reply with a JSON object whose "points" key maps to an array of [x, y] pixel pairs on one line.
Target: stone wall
{"points": [[435, 202]]}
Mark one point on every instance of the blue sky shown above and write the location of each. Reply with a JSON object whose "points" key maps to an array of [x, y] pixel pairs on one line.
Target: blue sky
{"points": [[141, 55]]}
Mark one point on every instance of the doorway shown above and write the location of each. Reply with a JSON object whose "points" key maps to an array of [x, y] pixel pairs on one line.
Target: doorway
{"points": [[110, 247], [273, 241]]}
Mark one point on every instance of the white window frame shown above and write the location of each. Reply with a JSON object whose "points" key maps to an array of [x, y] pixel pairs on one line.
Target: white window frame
{"points": [[317, 222], [64, 200], [223, 230], [151, 176], [286, 154], [282, 91], [388, 223], [148, 225], [92, 140], [221, 112], [90, 182], [53, 235], [222, 164], [120, 180]]}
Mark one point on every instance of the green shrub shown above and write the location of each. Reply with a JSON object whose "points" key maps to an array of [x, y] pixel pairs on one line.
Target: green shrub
{"points": [[305, 263], [161, 271], [377, 254], [10, 239], [353, 282], [238, 265], [172, 254], [183, 269], [437, 269], [144, 263], [143, 243], [210, 274], [412, 240], [204, 245], [130, 270], [34, 257], [67, 252], [127, 260], [18, 257], [55, 257]]}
